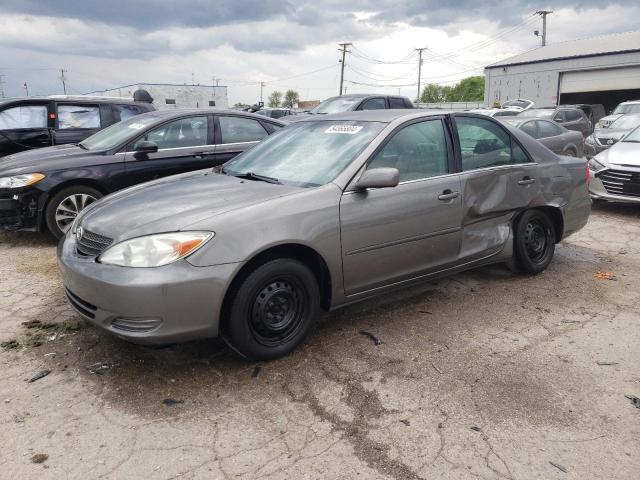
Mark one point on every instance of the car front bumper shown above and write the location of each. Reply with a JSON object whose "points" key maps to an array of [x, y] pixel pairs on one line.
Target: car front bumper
{"points": [[150, 306], [592, 149], [598, 191], [19, 210]]}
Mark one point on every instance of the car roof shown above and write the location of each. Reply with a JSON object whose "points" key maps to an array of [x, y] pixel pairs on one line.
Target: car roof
{"points": [[69, 98], [179, 112], [384, 116]]}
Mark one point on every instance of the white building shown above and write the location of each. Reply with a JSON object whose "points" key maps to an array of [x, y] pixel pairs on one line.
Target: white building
{"points": [[603, 69], [167, 95]]}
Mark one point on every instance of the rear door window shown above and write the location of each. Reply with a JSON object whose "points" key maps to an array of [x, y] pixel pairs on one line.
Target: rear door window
{"points": [[240, 129], [573, 115], [530, 128], [182, 133], [374, 104], [395, 102], [78, 116], [560, 116], [24, 117], [548, 129], [122, 112]]}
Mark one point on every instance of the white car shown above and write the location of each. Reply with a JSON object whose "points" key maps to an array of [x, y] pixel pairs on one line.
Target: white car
{"points": [[632, 106], [497, 112]]}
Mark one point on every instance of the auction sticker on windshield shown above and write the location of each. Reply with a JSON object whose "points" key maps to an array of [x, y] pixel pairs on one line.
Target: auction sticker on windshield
{"points": [[350, 129]]}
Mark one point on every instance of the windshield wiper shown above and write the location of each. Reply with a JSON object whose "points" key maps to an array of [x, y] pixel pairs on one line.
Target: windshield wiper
{"points": [[81, 146], [255, 176]]}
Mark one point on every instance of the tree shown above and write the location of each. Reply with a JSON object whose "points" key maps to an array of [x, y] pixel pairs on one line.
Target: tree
{"points": [[274, 99], [291, 98], [432, 93], [470, 89]]}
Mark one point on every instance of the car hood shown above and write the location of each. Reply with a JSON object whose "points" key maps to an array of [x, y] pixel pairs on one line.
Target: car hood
{"points": [[622, 153], [42, 159], [174, 203], [610, 118], [610, 133]]}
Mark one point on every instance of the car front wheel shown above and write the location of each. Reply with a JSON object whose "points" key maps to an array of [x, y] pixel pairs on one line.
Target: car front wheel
{"points": [[534, 241], [272, 310], [65, 206]]}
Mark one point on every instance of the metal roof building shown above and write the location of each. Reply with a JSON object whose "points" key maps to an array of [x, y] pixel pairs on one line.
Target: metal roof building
{"points": [[604, 69]]}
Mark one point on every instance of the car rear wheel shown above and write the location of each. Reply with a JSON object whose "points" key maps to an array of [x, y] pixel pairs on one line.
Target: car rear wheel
{"points": [[570, 153], [65, 206], [272, 310], [534, 242]]}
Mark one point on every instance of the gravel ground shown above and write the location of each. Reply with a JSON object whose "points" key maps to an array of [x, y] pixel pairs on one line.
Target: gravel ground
{"points": [[484, 375]]}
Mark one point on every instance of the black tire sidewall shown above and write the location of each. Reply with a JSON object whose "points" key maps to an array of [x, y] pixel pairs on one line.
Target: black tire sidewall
{"points": [[236, 326], [524, 263], [54, 201]]}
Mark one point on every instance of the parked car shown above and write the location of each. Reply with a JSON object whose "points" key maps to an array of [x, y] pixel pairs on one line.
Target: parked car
{"points": [[332, 210], [616, 171], [357, 101], [571, 118], [275, 112], [603, 138], [632, 106], [496, 112], [593, 111], [36, 122], [47, 188], [552, 135], [519, 104]]}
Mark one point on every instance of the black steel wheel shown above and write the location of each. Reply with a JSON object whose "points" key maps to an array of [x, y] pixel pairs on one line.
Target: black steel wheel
{"points": [[272, 309], [534, 241]]}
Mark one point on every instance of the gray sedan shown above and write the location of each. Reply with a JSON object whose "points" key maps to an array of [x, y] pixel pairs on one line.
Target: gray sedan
{"points": [[616, 171], [552, 135], [603, 138], [324, 213]]}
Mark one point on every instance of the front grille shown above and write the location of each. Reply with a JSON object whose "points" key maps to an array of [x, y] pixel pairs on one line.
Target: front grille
{"points": [[93, 244], [82, 306], [619, 182], [605, 141]]}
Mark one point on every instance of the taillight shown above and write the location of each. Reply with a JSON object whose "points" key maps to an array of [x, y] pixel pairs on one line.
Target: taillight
{"points": [[588, 173]]}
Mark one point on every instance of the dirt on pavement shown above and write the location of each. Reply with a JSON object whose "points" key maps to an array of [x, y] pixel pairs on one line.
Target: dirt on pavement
{"points": [[485, 374]]}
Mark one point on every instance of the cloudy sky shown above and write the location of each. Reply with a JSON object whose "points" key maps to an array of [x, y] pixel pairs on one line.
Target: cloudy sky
{"points": [[284, 43]]}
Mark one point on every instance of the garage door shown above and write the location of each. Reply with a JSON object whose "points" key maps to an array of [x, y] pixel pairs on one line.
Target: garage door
{"points": [[624, 78]]}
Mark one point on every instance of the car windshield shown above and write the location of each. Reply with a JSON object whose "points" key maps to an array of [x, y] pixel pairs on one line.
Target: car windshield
{"points": [[633, 137], [538, 113], [627, 108], [306, 154], [334, 105], [626, 122], [118, 133]]}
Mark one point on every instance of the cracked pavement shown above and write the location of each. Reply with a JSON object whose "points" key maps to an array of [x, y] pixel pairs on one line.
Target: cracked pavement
{"points": [[483, 375]]}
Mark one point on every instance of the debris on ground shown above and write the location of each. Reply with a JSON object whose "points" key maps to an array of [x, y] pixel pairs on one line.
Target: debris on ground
{"points": [[39, 458], [406, 422], [99, 368], [604, 364], [427, 312], [37, 324], [436, 369], [18, 419], [256, 371], [71, 326], [10, 344], [605, 276], [170, 402], [50, 354], [39, 375], [570, 321], [476, 429], [375, 339], [559, 467], [635, 401]]}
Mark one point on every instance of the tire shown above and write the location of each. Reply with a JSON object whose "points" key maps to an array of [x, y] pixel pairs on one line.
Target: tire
{"points": [[570, 153], [272, 309], [534, 242], [64, 206]]}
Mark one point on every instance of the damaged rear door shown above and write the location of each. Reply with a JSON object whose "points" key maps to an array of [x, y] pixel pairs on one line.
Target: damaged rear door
{"points": [[497, 181]]}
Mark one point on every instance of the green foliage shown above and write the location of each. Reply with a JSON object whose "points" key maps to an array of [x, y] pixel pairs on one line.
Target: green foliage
{"points": [[470, 89], [291, 98], [274, 99]]}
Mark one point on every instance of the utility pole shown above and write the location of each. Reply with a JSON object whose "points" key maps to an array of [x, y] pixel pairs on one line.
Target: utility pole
{"points": [[64, 85], [344, 53], [261, 88], [1, 86], [543, 14], [419, 50], [26, 88]]}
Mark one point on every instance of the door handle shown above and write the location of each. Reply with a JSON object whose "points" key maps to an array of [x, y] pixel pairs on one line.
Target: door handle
{"points": [[527, 181], [448, 195], [203, 154]]}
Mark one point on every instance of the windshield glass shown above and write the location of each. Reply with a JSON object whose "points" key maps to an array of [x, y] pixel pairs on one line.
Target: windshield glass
{"points": [[307, 154], [118, 133], [627, 108], [334, 105], [626, 122], [633, 137], [538, 113]]}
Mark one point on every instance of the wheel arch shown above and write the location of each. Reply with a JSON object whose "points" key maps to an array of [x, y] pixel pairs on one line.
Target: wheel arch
{"points": [[303, 253], [81, 182], [556, 216]]}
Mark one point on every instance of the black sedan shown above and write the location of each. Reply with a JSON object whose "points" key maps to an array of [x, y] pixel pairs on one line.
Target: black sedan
{"points": [[47, 188]]}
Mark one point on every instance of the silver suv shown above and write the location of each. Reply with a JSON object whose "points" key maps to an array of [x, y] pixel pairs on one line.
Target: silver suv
{"points": [[632, 106]]}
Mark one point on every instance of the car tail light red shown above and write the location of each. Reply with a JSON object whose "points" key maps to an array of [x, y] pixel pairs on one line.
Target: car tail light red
{"points": [[588, 173]]}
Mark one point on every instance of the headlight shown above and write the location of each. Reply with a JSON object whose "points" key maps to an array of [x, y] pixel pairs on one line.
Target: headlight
{"points": [[154, 250], [595, 165], [19, 181]]}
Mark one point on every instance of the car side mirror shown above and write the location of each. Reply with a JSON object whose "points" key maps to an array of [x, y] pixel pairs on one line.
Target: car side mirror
{"points": [[144, 148], [378, 178]]}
